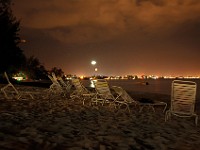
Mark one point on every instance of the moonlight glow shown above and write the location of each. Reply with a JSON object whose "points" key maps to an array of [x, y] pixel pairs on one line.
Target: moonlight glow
{"points": [[93, 62]]}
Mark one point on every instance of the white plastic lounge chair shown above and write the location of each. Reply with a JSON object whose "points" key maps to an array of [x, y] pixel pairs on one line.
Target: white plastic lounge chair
{"points": [[55, 87], [183, 97], [150, 104], [80, 91], [13, 91], [124, 95], [65, 85], [104, 95]]}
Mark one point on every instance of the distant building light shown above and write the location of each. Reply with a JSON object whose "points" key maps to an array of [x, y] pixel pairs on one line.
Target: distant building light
{"points": [[81, 77], [18, 78], [23, 41]]}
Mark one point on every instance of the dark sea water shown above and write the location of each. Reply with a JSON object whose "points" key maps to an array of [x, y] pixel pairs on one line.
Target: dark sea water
{"points": [[159, 86]]}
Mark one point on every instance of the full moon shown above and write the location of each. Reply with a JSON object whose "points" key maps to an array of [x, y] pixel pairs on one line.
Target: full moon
{"points": [[93, 62]]}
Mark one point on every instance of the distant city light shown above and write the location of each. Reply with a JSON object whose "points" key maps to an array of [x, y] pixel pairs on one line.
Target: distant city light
{"points": [[23, 41], [18, 78]]}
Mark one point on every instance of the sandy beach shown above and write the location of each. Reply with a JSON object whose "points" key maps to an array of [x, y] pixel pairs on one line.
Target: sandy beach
{"points": [[65, 124]]}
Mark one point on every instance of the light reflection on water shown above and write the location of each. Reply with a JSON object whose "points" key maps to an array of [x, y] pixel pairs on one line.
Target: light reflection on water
{"points": [[160, 86], [91, 83]]}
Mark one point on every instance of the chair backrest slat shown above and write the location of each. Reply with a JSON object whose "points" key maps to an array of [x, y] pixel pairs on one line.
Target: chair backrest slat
{"points": [[183, 97], [79, 86], [123, 94], [103, 89]]}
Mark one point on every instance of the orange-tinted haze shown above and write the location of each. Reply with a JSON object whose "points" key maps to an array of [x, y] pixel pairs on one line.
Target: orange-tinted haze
{"points": [[160, 37]]}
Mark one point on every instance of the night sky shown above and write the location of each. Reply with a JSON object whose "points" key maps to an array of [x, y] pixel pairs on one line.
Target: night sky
{"points": [[159, 37]]}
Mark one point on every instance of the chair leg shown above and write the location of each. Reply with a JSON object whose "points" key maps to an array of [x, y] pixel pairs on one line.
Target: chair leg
{"points": [[165, 108], [167, 115], [152, 108], [126, 105], [84, 102], [18, 96], [141, 108], [3, 91], [22, 95], [196, 120], [31, 96], [14, 89], [128, 109]]}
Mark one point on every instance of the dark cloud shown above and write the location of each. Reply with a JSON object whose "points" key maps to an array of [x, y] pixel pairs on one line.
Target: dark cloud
{"points": [[104, 29], [155, 2]]}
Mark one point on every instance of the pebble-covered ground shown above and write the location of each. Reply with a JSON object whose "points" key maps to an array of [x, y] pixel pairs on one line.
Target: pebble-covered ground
{"points": [[65, 124]]}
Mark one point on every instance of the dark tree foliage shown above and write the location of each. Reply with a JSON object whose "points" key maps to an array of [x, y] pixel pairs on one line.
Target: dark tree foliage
{"points": [[58, 71], [11, 56], [34, 69]]}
